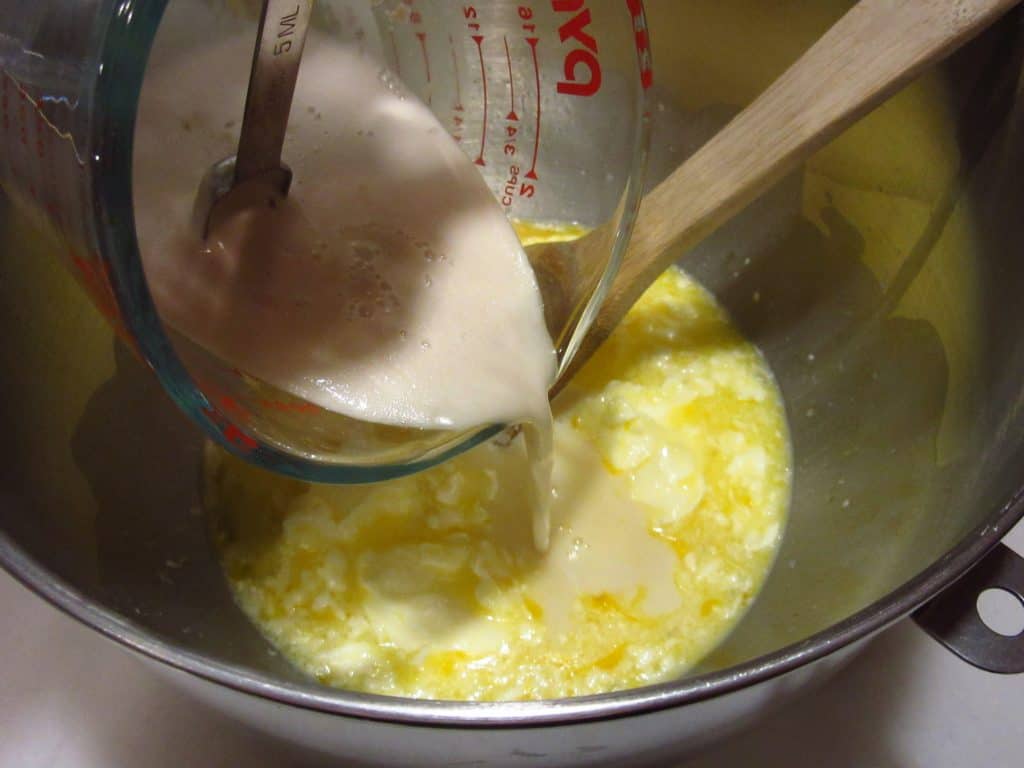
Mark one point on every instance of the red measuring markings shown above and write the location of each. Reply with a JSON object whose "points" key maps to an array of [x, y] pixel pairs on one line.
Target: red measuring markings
{"points": [[223, 411], [417, 19], [511, 85], [240, 412], [232, 433], [290, 407], [40, 134], [94, 276], [643, 43], [458, 81], [511, 138], [473, 25], [24, 102], [479, 40], [23, 123], [422, 37], [532, 173], [457, 107], [233, 408]]}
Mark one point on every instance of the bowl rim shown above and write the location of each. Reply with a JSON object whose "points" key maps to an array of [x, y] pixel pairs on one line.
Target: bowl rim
{"points": [[897, 604], [525, 714]]}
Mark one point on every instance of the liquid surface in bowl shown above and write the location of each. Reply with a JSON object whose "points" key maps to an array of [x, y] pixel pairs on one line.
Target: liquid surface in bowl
{"points": [[671, 481]]}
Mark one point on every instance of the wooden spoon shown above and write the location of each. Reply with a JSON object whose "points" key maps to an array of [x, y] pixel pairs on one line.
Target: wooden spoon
{"points": [[872, 51]]}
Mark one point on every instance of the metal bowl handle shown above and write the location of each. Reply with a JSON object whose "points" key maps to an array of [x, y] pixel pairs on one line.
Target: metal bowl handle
{"points": [[952, 618]]}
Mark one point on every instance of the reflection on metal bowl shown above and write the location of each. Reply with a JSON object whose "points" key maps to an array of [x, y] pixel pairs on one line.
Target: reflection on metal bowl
{"points": [[882, 282]]}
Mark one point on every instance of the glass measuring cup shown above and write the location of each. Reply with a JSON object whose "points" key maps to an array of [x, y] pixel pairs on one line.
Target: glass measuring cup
{"points": [[547, 98]]}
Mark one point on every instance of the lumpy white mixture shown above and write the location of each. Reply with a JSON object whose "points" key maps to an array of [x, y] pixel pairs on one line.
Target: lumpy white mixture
{"points": [[388, 286], [672, 478]]}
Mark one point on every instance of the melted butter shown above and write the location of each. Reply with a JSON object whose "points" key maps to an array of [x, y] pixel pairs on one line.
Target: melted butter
{"points": [[600, 541], [671, 479]]}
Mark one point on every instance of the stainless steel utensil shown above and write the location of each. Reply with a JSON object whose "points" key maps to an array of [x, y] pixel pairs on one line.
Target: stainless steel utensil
{"points": [[275, 70]]}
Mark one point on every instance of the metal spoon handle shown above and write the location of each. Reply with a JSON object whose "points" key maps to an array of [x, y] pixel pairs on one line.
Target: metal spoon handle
{"points": [[275, 68]]}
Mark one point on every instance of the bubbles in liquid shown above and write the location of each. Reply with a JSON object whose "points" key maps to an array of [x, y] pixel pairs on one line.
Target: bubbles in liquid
{"points": [[392, 83], [960, 14], [365, 253]]}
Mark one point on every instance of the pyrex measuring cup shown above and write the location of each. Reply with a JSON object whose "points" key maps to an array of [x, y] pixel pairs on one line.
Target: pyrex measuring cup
{"points": [[547, 98]]}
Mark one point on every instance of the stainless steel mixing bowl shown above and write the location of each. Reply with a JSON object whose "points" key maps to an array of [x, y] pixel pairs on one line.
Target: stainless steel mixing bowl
{"points": [[884, 284]]}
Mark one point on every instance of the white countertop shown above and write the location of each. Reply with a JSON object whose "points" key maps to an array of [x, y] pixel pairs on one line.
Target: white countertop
{"points": [[71, 699]]}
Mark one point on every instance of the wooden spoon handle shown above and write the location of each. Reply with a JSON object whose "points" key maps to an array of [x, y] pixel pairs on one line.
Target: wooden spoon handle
{"points": [[873, 50]]}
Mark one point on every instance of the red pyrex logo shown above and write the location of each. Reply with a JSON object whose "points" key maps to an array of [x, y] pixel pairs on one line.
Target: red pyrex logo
{"points": [[582, 70]]}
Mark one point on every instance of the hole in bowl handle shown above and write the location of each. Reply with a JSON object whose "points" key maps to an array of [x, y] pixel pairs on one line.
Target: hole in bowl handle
{"points": [[952, 618]]}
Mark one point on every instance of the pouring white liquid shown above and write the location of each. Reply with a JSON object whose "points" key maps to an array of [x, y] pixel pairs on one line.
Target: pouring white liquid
{"points": [[388, 286]]}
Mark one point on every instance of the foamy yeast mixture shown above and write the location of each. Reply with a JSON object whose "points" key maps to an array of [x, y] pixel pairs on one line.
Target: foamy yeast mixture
{"points": [[671, 479], [388, 286]]}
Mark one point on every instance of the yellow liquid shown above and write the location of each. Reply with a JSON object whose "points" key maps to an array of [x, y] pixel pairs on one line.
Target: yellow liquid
{"points": [[671, 481]]}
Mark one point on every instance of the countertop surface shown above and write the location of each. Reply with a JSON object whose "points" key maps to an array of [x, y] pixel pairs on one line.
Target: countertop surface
{"points": [[70, 698]]}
